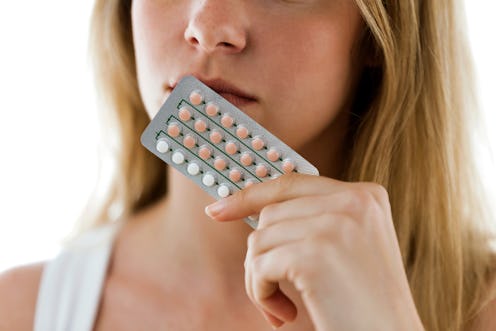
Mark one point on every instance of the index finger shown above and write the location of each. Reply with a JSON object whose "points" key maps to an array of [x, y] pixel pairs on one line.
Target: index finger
{"points": [[253, 199]]}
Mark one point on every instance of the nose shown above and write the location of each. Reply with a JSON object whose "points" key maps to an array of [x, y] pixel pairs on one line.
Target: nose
{"points": [[217, 25]]}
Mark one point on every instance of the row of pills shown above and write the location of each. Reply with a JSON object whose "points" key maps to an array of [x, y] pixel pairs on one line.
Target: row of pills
{"points": [[215, 144], [227, 121], [193, 168], [247, 158]]}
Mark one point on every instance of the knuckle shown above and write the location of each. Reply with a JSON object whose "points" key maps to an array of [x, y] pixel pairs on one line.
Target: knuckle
{"points": [[254, 239], [369, 199], [266, 212], [286, 181], [326, 204], [266, 215], [360, 197], [327, 232], [257, 265], [378, 191], [325, 225], [303, 270], [245, 193], [280, 184]]}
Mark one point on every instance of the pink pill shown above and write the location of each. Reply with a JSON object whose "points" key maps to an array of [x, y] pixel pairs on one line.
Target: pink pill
{"points": [[242, 132], [212, 109], [288, 166], [173, 130], [231, 148], [220, 164], [200, 125], [184, 114], [215, 136], [273, 155], [249, 182], [196, 98], [227, 121], [205, 152], [189, 141], [246, 159], [235, 175], [257, 143], [261, 171]]}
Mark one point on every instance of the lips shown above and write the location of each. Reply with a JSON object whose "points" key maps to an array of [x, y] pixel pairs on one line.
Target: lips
{"points": [[228, 91]]}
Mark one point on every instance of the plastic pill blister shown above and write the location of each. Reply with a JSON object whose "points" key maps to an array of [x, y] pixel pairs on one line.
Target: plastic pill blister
{"points": [[215, 144]]}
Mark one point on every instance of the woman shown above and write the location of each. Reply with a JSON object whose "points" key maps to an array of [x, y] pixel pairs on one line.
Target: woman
{"points": [[392, 235]]}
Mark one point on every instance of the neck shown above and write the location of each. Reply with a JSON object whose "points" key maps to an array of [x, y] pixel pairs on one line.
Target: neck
{"points": [[216, 250]]}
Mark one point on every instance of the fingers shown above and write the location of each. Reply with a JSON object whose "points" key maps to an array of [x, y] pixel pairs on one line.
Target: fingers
{"points": [[314, 190], [278, 253], [297, 212], [291, 209], [290, 231], [272, 319], [264, 272], [355, 203], [279, 307], [251, 200]]}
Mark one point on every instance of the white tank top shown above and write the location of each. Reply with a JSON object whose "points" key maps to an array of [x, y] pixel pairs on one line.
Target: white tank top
{"points": [[71, 284]]}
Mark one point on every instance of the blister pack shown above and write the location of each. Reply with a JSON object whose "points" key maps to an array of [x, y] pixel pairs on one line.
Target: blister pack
{"points": [[217, 145]]}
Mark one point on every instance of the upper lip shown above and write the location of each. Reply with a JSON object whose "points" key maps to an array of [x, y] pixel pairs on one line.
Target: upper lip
{"points": [[219, 85]]}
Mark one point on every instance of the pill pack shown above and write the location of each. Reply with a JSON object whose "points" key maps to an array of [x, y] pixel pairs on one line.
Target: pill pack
{"points": [[217, 145]]}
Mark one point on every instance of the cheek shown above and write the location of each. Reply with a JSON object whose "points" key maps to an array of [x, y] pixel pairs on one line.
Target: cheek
{"points": [[315, 83], [151, 35], [311, 92]]}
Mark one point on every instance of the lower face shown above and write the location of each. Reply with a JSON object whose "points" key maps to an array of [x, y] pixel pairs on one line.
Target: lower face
{"points": [[294, 58]]}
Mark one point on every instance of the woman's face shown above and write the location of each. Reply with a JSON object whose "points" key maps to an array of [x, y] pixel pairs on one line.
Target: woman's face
{"points": [[289, 64]]}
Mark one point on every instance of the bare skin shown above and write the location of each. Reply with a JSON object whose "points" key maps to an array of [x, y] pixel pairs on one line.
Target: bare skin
{"points": [[213, 273], [182, 295], [19, 289], [175, 268]]}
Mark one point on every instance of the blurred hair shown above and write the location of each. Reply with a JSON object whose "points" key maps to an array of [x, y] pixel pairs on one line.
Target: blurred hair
{"points": [[411, 133]]}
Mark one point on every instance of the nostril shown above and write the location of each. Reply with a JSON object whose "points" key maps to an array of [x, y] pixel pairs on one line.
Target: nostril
{"points": [[226, 44], [194, 41]]}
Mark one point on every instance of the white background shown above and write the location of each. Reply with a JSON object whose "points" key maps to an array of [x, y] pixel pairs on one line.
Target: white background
{"points": [[48, 126]]}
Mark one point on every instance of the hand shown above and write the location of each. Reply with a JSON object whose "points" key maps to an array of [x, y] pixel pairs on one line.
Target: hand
{"points": [[335, 241]]}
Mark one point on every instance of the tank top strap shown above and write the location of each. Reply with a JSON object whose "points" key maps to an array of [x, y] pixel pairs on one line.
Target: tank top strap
{"points": [[71, 283]]}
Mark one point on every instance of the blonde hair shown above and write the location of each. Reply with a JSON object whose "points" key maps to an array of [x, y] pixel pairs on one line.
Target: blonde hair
{"points": [[411, 136]]}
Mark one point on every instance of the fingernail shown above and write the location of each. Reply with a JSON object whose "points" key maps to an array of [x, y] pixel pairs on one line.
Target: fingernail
{"points": [[214, 209]]}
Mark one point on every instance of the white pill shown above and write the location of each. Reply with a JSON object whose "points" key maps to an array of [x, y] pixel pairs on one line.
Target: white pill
{"points": [[208, 180], [178, 157], [193, 169], [163, 145], [223, 191], [254, 217]]}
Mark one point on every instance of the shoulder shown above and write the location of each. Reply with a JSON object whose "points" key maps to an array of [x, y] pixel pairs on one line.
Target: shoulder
{"points": [[18, 294], [486, 319]]}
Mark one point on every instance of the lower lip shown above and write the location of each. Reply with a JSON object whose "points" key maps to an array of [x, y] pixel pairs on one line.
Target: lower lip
{"points": [[237, 100]]}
